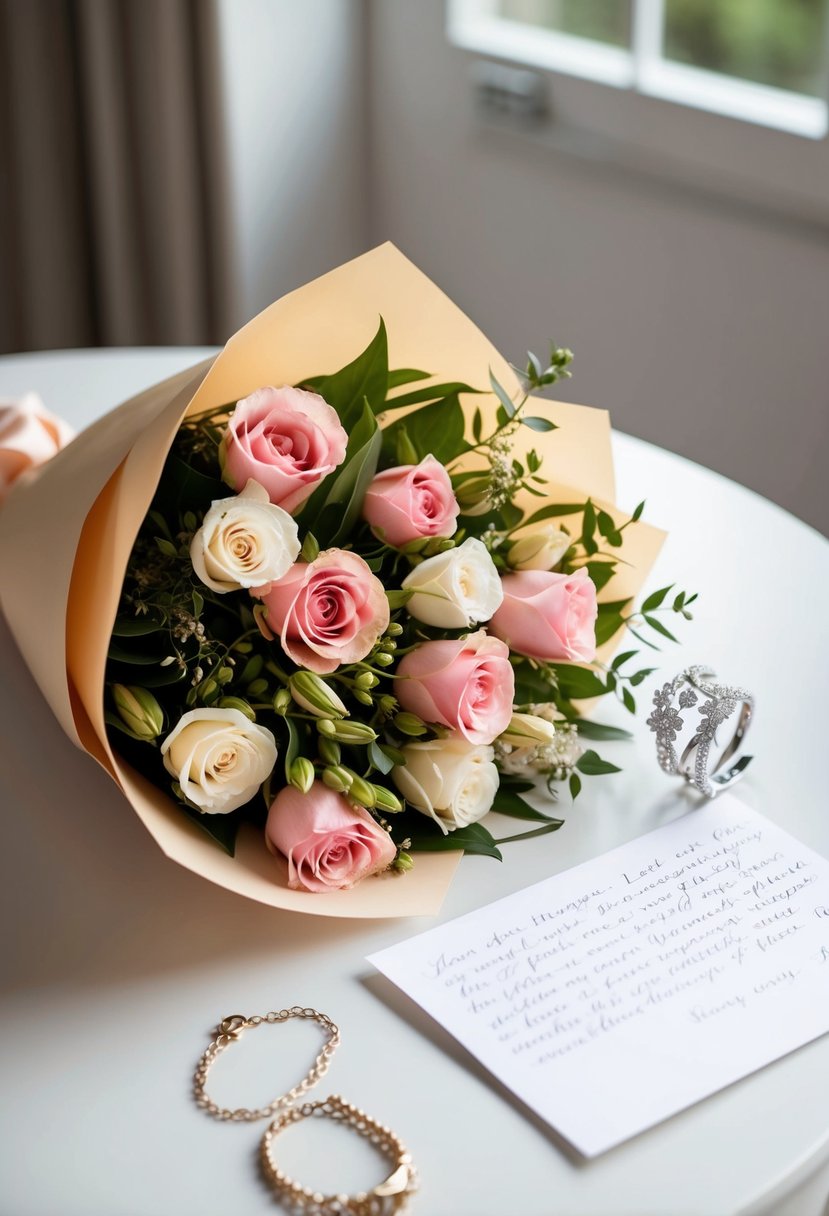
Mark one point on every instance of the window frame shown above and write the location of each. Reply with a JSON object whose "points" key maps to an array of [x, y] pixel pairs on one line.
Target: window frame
{"points": [[602, 113]]}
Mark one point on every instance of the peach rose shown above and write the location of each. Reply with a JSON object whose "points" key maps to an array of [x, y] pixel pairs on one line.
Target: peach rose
{"points": [[466, 684], [329, 844], [411, 501], [327, 612], [284, 438], [29, 435], [548, 616]]}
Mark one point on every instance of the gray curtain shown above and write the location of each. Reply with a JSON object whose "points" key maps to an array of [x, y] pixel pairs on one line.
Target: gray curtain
{"points": [[112, 209]]}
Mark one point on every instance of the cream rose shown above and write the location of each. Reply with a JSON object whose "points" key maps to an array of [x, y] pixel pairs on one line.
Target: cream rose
{"points": [[455, 589], [244, 541], [540, 549], [219, 758], [451, 780]]}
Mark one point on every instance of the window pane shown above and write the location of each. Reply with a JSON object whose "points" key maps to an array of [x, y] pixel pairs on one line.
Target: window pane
{"points": [[602, 20], [774, 42]]}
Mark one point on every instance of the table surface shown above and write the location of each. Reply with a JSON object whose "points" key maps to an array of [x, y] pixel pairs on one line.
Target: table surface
{"points": [[118, 962]]}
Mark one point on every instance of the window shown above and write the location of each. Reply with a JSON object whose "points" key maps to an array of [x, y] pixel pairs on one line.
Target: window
{"points": [[761, 61]]}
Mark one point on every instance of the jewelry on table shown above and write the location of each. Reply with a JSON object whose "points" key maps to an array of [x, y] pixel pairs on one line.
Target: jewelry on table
{"points": [[698, 685], [385, 1199], [230, 1029]]}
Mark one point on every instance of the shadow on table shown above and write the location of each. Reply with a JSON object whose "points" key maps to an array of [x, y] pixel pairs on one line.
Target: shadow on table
{"points": [[85, 893]]}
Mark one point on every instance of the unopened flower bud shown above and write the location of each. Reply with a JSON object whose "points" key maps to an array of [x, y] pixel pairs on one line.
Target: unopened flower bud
{"points": [[366, 680], [365, 698], [224, 675], [473, 496], [410, 724], [237, 703], [395, 629], [403, 862], [301, 774], [540, 549], [257, 688], [383, 660], [337, 778], [282, 702], [312, 693], [527, 730], [251, 669], [329, 751], [386, 800], [346, 731], [139, 711], [361, 791]]}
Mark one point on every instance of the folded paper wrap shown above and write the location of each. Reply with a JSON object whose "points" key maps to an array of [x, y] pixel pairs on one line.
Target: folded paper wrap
{"points": [[79, 515]]}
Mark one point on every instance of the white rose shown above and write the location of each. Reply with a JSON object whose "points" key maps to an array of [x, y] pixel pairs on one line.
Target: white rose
{"points": [[451, 780], [219, 758], [244, 541], [455, 589], [540, 549]]}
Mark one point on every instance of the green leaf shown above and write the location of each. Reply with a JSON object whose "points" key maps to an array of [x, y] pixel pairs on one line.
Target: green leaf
{"points": [[575, 785], [660, 628], [578, 683], [182, 488], [406, 375], [531, 685], [637, 679], [379, 759], [366, 378], [592, 765], [223, 829], [122, 653], [432, 392], [333, 509], [588, 528], [166, 546], [654, 600], [477, 425], [508, 802], [507, 404], [607, 624], [554, 511], [551, 826], [292, 748], [136, 626], [601, 573], [472, 839], [621, 659], [539, 424], [629, 700], [600, 731], [405, 451], [637, 514], [397, 599], [437, 429]]}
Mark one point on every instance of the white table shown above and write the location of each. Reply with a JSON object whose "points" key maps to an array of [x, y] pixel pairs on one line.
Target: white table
{"points": [[118, 962]]}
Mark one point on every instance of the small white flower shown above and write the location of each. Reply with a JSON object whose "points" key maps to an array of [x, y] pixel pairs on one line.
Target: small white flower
{"points": [[244, 541], [455, 589], [219, 758], [451, 780]]}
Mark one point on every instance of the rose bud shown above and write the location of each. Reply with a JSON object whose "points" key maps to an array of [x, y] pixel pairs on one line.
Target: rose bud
{"points": [[548, 616], [329, 844], [219, 758], [527, 730], [286, 439], [411, 501], [139, 711], [466, 684]]}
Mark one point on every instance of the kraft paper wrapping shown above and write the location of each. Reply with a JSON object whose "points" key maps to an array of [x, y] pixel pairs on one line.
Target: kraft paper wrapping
{"points": [[103, 484]]}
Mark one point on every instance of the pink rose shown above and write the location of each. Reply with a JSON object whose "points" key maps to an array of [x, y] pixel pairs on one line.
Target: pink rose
{"points": [[466, 684], [329, 844], [548, 616], [327, 612], [410, 502], [284, 438], [29, 436]]}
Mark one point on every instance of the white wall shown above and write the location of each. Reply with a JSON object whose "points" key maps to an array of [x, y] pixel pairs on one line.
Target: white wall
{"points": [[701, 327], [294, 104]]}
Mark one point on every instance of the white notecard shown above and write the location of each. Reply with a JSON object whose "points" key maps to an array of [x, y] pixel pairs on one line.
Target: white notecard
{"points": [[626, 989]]}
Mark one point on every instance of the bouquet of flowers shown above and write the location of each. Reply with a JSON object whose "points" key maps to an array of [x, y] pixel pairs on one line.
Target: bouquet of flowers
{"points": [[357, 612]]}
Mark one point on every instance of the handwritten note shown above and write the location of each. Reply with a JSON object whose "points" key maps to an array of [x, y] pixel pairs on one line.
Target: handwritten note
{"points": [[624, 990]]}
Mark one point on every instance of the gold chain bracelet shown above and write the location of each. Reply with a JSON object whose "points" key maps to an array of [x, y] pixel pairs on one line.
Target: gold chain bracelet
{"points": [[230, 1029], [385, 1199]]}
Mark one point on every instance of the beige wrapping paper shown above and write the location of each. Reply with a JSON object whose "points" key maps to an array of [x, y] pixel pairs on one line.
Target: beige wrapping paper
{"points": [[78, 517]]}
